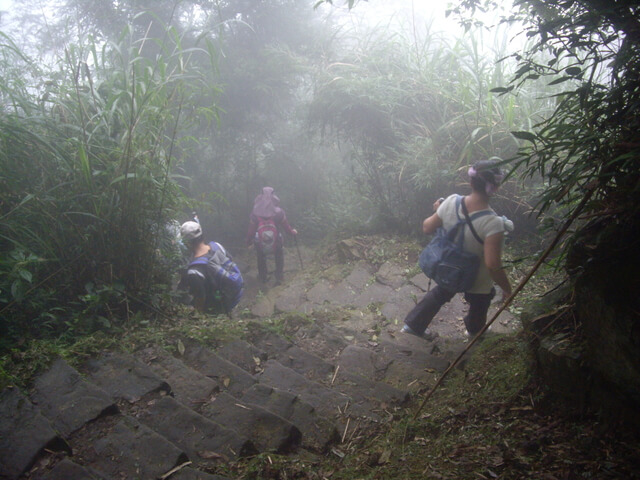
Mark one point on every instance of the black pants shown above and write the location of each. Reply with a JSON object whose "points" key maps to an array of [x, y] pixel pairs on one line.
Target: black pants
{"points": [[262, 264], [421, 315]]}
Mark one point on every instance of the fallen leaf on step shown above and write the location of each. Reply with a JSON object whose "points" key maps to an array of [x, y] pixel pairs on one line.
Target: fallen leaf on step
{"points": [[180, 347]]}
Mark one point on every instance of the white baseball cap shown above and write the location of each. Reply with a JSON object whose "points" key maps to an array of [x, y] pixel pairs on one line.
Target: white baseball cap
{"points": [[190, 230]]}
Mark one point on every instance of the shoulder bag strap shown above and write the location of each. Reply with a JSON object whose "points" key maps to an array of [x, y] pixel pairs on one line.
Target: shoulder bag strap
{"points": [[469, 222]]}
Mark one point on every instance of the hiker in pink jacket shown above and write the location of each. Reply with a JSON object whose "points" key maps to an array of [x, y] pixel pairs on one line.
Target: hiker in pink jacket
{"points": [[266, 224]]}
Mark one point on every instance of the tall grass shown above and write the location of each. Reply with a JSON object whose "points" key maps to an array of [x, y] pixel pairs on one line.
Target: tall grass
{"points": [[86, 162], [412, 112]]}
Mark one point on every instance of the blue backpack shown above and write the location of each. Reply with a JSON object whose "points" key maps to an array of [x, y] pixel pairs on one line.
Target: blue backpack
{"points": [[444, 260], [224, 273]]}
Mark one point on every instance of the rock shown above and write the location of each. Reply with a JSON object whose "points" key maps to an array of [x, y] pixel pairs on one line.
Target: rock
{"points": [[317, 432], [132, 450], [67, 400], [391, 275], [349, 250], [68, 470], [188, 386], [123, 377], [195, 433], [266, 430], [24, 434]]}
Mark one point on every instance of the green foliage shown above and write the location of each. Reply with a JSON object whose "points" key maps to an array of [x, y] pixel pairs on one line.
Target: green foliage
{"points": [[86, 164], [591, 52], [413, 112]]}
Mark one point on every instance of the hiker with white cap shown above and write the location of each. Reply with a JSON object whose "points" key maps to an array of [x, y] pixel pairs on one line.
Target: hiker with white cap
{"points": [[212, 278]]}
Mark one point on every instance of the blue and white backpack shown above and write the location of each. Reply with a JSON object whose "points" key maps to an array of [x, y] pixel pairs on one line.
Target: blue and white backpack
{"points": [[225, 274]]}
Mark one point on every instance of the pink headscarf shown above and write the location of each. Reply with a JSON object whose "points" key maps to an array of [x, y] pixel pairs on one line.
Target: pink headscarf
{"points": [[266, 204]]}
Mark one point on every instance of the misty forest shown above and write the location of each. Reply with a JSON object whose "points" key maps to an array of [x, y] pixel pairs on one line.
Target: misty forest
{"points": [[122, 120]]}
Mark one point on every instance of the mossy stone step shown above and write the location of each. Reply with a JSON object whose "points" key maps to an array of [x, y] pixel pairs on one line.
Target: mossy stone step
{"points": [[317, 432], [68, 470], [193, 474], [123, 377], [267, 431], [132, 450], [227, 375], [24, 434], [197, 435], [188, 386], [328, 402], [68, 400]]}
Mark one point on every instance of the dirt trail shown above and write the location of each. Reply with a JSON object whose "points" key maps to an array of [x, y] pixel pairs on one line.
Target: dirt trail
{"points": [[337, 367]]}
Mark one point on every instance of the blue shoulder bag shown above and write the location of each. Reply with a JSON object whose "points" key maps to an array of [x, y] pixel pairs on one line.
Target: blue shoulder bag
{"points": [[445, 262]]}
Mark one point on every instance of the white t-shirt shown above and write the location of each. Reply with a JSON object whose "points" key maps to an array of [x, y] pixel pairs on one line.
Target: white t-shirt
{"points": [[485, 226]]}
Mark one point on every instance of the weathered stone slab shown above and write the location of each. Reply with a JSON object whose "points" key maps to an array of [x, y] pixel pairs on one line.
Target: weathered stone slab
{"points": [[391, 275], [324, 340], [243, 354], [323, 399], [132, 450], [265, 305], [396, 309], [369, 394], [69, 401], [321, 292], [123, 377], [269, 342], [308, 364], [68, 470], [188, 386], [291, 298], [193, 474], [24, 433], [422, 282], [196, 434], [317, 433], [267, 431], [407, 374], [363, 361], [359, 278], [230, 377], [374, 293]]}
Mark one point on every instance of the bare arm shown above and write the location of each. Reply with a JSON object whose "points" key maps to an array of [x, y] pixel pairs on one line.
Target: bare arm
{"points": [[431, 224], [493, 261]]}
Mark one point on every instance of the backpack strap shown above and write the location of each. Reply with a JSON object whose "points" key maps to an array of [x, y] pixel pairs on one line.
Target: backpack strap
{"points": [[469, 219]]}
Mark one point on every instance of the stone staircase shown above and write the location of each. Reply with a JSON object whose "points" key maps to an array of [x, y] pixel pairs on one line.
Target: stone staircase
{"points": [[323, 379]]}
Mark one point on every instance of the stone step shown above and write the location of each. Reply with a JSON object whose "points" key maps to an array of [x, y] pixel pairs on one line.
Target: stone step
{"points": [[130, 449], [188, 386], [123, 377], [317, 432], [68, 470], [203, 440], [24, 434], [230, 377], [328, 402], [267, 431], [243, 354], [193, 474], [69, 401]]}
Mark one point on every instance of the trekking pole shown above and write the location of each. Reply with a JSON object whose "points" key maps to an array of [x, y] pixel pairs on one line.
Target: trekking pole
{"points": [[295, 239], [508, 301]]}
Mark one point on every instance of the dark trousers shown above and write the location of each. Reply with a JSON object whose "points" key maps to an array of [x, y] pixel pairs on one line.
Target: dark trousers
{"points": [[262, 264], [421, 315]]}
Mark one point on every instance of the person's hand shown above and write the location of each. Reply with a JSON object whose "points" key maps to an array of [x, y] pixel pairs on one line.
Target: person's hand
{"points": [[294, 231], [437, 203]]}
